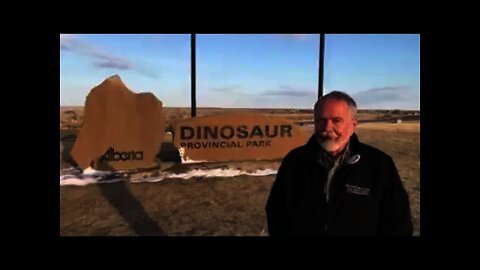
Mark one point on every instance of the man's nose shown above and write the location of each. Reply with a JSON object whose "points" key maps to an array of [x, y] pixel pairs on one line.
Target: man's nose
{"points": [[328, 124]]}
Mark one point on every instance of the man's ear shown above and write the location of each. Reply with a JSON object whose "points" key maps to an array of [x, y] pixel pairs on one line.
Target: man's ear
{"points": [[355, 122]]}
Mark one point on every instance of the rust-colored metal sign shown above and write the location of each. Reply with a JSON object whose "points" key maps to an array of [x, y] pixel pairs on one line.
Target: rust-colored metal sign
{"points": [[237, 136], [122, 130]]}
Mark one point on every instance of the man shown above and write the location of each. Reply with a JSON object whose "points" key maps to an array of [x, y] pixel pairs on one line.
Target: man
{"points": [[336, 185]]}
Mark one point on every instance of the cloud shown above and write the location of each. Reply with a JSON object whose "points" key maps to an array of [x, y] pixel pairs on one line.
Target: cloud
{"points": [[288, 91], [389, 97], [113, 63], [76, 45], [280, 98], [100, 58], [65, 40], [225, 89]]}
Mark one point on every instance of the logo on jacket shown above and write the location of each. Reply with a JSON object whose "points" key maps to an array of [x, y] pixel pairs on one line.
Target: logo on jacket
{"points": [[357, 190], [354, 159]]}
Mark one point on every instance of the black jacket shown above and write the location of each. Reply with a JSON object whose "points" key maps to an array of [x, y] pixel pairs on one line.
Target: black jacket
{"points": [[366, 197]]}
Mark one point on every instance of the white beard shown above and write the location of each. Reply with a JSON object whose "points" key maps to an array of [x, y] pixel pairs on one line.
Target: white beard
{"points": [[330, 145], [331, 141]]}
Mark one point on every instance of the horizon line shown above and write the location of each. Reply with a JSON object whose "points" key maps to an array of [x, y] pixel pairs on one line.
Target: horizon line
{"points": [[257, 108]]}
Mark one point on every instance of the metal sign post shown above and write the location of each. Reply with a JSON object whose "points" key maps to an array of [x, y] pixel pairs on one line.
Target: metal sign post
{"points": [[320, 65]]}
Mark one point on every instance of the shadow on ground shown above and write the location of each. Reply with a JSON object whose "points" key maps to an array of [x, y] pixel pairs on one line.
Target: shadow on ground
{"points": [[130, 209]]}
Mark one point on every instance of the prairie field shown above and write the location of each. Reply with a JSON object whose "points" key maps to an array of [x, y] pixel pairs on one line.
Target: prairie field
{"points": [[210, 206]]}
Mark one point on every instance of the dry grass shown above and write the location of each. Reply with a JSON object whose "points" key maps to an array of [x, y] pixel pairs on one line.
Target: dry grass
{"points": [[404, 126], [402, 142], [209, 206]]}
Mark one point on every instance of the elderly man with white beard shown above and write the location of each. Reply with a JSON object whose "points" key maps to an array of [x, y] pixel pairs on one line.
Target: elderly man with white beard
{"points": [[335, 185]]}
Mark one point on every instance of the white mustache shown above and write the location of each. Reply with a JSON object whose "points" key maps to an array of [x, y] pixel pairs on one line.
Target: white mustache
{"points": [[331, 134]]}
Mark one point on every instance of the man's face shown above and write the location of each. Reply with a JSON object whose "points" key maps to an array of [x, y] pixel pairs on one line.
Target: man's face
{"points": [[334, 125]]}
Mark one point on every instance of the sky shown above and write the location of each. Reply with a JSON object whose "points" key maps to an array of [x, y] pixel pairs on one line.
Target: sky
{"points": [[380, 71]]}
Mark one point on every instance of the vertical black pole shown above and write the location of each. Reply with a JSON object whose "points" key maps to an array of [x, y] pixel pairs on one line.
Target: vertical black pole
{"points": [[193, 77], [320, 65]]}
